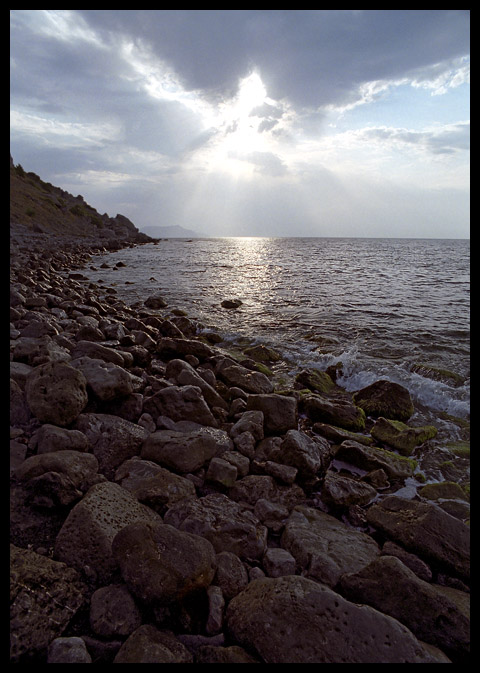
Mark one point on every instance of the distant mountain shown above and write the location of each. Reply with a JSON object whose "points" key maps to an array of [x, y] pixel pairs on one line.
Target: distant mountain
{"points": [[172, 232]]}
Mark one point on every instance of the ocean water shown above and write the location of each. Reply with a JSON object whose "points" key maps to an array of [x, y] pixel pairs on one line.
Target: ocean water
{"points": [[380, 307]]}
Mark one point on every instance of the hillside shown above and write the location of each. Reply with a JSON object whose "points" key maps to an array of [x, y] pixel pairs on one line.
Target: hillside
{"points": [[174, 231], [40, 207]]}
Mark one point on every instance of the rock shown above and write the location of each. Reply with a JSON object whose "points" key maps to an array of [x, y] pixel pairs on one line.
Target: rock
{"points": [[168, 347], [338, 435], [85, 539], [184, 374], [341, 413], [309, 455], [185, 451], [278, 562], [341, 491], [262, 353], [279, 412], [400, 436], [293, 619], [254, 487], [443, 490], [324, 547], [233, 654], [95, 351], [112, 439], [315, 380], [389, 586], [113, 612], [106, 380], [284, 473], [45, 595], [372, 458], [231, 303], [272, 515], [385, 398], [163, 489], [155, 301], [70, 650], [52, 438], [161, 564], [416, 565], [231, 575], [35, 351], [56, 393], [216, 605], [148, 645], [426, 530], [236, 375], [19, 409], [250, 421], [180, 403], [221, 472], [228, 525]]}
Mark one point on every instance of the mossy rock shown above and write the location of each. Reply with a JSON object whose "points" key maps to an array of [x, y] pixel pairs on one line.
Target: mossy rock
{"points": [[261, 353], [459, 448], [437, 374], [400, 436], [315, 380], [443, 490], [385, 398]]}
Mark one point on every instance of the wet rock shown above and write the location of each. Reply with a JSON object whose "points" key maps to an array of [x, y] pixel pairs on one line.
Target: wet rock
{"points": [[180, 403], [149, 645], [370, 458], [56, 393], [236, 375], [262, 353], [385, 398], [231, 303], [228, 525], [155, 301], [169, 348], [112, 439], [44, 597], [426, 530], [315, 380], [339, 435], [85, 539], [279, 412], [401, 436], [341, 491], [388, 585], [185, 451], [161, 564], [296, 620], [341, 413], [324, 547]]}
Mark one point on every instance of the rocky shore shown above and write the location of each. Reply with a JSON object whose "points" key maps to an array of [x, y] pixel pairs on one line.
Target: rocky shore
{"points": [[169, 504]]}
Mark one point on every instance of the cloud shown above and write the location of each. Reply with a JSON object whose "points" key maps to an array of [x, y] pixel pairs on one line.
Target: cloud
{"points": [[446, 140]]}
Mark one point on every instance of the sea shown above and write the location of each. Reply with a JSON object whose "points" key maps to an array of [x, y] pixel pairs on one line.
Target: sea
{"points": [[395, 309]]}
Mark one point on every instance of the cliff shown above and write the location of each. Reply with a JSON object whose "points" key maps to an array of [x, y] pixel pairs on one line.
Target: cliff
{"points": [[40, 207]]}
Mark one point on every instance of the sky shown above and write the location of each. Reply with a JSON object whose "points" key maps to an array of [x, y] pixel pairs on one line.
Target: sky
{"points": [[347, 123]]}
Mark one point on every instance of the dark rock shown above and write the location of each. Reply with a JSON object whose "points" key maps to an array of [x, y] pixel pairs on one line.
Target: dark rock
{"points": [[385, 398]]}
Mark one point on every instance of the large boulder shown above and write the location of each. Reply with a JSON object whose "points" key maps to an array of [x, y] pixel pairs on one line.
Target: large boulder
{"points": [[161, 564], [112, 439], [385, 398], [324, 547], [56, 393], [341, 413], [389, 586], [180, 403], [426, 530], [45, 595], [296, 620], [279, 412], [228, 525], [185, 451], [85, 539]]}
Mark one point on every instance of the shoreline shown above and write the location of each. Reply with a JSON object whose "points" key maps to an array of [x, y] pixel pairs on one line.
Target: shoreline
{"points": [[150, 385]]}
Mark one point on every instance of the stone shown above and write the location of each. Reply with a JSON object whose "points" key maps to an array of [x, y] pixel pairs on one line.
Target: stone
{"points": [[279, 412], [161, 564], [106, 380], [293, 619], [278, 562], [163, 489], [385, 398], [169, 348], [231, 303], [112, 439], [324, 547], [370, 458], [155, 301], [113, 612], [216, 605], [443, 490], [232, 654], [221, 472], [416, 565], [341, 491], [315, 380], [85, 539], [149, 645], [184, 374], [52, 438], [231, 575], [45, 595], [56, 393], [180, 403], [96, 351], [19, 409], [426, 530], [254, 487], [284, 473], [70, 650], [400, 436], [262, 353], [338, 435], [236, 375], [35, 351], [341, 413], [389, 586], [272, 515], [228, 525], [309, 455], [185, 451], [250, 421]]}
